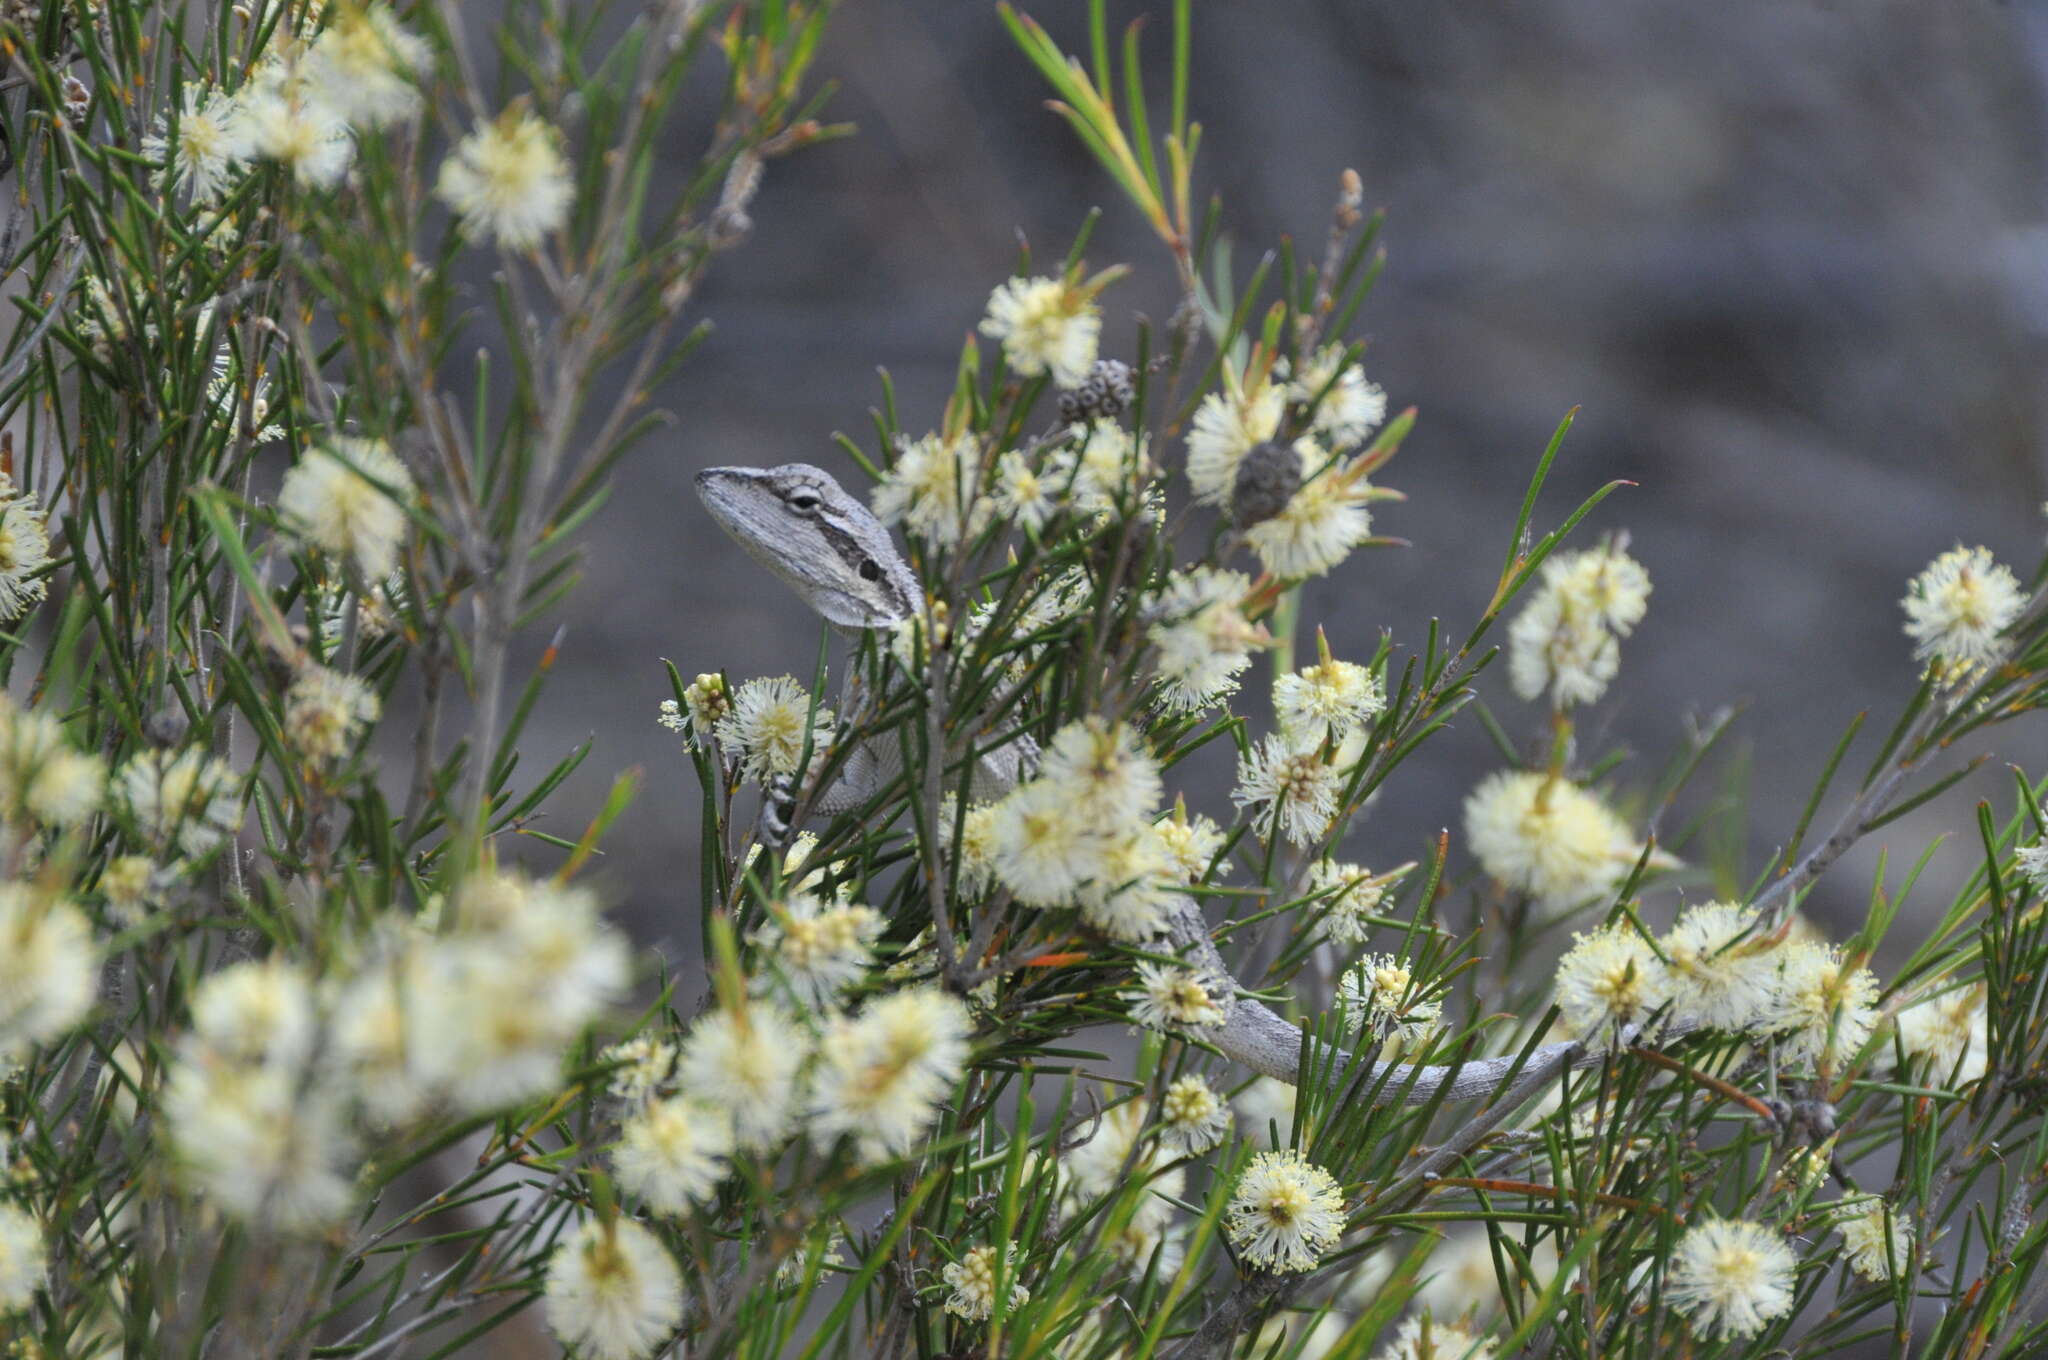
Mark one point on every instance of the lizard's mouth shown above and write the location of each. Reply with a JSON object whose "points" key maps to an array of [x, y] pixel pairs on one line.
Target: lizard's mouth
{"points": [[717, 487]]}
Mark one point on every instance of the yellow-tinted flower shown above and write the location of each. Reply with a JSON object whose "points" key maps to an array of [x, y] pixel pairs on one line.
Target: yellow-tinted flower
{"points": [[1193, 1117], [347, 496], [363, 65], [1547, 839], [672, 1153], [1608, 985], [1227, 426], [1824, 1009], [1285, 1213], [1169, 997], [1957, 608], [973, 1281], [509, 181], [1733, 1277], [768, 725], [613, 1291], [1877, 1238], [1046, 326], [326, 711]]}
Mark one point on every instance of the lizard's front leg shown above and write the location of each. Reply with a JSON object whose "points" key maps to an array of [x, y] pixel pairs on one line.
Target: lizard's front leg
{"points": [[785, 802]]}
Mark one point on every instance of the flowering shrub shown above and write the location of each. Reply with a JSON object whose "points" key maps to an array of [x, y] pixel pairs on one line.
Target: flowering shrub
{"points": [[304, 1058]]}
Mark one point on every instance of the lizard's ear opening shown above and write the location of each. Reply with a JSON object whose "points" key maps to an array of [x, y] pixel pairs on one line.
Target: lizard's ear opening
{"points": [[870, 569]]}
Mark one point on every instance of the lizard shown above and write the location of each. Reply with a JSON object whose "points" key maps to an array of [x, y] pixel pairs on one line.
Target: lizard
{"points": [[821, 541], [807, 531]]}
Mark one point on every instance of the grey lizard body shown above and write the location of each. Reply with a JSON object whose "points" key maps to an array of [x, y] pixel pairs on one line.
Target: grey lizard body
{"points": [[823, 543]]}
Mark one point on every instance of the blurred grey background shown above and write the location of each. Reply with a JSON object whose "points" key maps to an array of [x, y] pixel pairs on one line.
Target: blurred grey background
{"points": [[1790, 259]]}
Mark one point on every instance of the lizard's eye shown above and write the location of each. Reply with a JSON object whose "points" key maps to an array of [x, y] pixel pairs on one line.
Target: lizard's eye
{"points": [[803, 502]]}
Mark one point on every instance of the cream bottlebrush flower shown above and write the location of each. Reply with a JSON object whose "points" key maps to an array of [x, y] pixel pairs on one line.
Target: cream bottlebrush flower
{"points": [[1720, 977], [1169, 997], [1352, 895], [252, 1129], [374, 1046], [24, 552], [258, 1012], [1046, 326], [1350, 407], [1948, 1035], [1605, 586], [1566, 640], [747, 1061], [1131, 892], [363, 65], [831, 1252], [2032, 862], [819, 948], [1193, 1117], [1326, 701], [672, 1153], [1863, 1225], [709, 701], [1321, 522], [211, 140], [259, 1139], [66, 789], [1731, 1276], [1045, 847], [613, 1291], [186, 801], [41, 776], [1824, 1009], [1100, 469], [129, 885], [933, 490], [882, 1076], [1609, 984], [1227, 426], [973, 1281], [509, 181], [1202, 637], [1550, 651], [1279, 785], [645, 1065], [347, 496], [1379, 995], [977, 845], [1264, 1105], [1547, 839], [768, 724], [492, 1003], [1105, 770], [24, 1258], [1190, 843], [49, 968], [1285, 1213], [1424, 1338], [1022, 495], [326, 711], [288, 120], [1959, 605]]}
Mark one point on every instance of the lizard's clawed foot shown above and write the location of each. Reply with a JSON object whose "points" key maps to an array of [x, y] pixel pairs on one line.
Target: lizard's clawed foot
{"points": [[778, 808]]}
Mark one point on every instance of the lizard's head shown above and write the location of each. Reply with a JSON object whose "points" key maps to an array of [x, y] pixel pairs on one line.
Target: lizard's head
{"points": [[803, 526]]}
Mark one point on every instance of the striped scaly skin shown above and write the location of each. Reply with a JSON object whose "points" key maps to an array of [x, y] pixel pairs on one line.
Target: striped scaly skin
{"points": [[823, 543]]}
